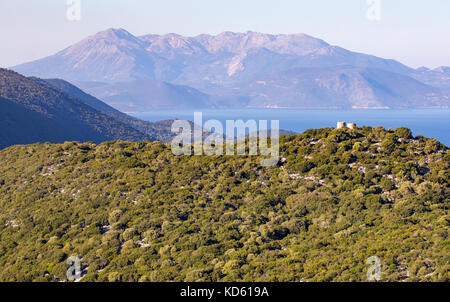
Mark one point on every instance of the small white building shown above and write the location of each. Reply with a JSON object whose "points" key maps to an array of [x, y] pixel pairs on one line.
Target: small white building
{"points": [[344, 124], [341, 125]]}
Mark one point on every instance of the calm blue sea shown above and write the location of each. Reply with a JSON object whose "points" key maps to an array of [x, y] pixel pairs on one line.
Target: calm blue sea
{"points": [[427, 122]]}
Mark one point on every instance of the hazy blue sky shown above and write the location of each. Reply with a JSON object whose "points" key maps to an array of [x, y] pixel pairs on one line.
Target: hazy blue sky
{"points": [[415, 32]]}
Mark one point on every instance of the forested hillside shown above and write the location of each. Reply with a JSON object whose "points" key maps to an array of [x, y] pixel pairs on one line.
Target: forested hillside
{"points": [[20, 126], [160, 130], [136, 212], [70, 118]]}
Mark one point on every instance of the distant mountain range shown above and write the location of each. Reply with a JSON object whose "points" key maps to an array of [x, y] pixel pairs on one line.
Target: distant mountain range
{"points": [[342, 87], [35, 110], [238, 70]]}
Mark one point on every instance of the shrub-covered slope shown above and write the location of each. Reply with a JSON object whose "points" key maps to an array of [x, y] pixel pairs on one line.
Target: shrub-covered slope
{"points": [[136, 212]]}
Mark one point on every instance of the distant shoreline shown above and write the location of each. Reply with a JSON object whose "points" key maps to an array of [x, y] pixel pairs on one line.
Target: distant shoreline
{"points": [[430, 122], [291, 108]]}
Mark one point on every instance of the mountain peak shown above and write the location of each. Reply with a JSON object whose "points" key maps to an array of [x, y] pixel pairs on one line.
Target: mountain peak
{"points": [[114, 34], [423, 69], [107, 39], [113, 31], [221, 65]]}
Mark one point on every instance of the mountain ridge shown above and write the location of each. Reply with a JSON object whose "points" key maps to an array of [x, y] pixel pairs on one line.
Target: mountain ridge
{"points": [[217, 65], [347, 86], [78, 120], [159, 130]]}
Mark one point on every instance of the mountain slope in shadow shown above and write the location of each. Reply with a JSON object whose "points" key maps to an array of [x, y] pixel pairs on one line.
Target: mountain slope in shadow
{"points": [[160, 130], [56, 116]]}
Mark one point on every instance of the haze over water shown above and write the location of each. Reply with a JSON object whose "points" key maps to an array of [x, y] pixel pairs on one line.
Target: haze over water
{"points": [[433, 123]]}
